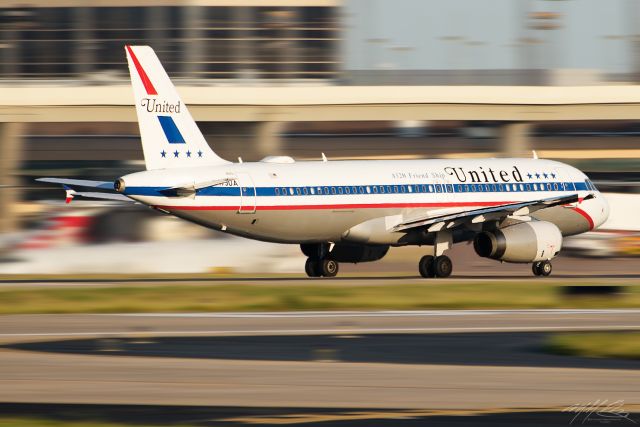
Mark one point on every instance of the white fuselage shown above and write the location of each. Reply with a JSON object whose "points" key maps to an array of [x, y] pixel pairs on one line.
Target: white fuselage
{"points": [[316, 201]]}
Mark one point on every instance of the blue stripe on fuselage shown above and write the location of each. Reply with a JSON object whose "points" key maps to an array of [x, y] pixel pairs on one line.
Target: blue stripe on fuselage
{"points": [[322, 190]]}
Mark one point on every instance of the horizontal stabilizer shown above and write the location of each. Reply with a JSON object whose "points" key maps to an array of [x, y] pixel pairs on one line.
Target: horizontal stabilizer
{"points": [[74, 183], [78, 188]]}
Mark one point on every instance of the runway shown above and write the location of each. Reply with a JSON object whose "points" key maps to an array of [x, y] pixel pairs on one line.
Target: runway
{"points": [[29, 327], [479, 360]]}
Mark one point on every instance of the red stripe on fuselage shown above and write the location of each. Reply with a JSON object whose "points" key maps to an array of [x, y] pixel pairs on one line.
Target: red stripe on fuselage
{"points": [[148, 86], [586, 216], [337, 206]]}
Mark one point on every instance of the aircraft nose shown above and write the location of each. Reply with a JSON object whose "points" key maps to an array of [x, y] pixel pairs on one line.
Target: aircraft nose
{"points": [[603, 210], [598, 210]]}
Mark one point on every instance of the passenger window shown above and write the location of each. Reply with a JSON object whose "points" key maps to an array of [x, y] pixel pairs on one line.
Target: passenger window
{"points": [[319, 190], [298, 191], [326, 190], [277, 191], [340, 190], [368, 190], [514, 187], [528, 187], [521, 187], [430, 188], [507, 187], [555, 186], [312, 190], [382, 189], [459, 188], [388, 189], [347, 190], [494, 188], [402, 189], [395, 188], [333, 190], [424, 188], [361, 189], [291, 191], [501, 187], [438, 188], [375, 189], [535, 187], [305, 191]]}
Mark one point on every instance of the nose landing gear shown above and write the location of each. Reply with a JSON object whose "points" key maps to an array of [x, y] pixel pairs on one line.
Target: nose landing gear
{"points": [[541, 268]]}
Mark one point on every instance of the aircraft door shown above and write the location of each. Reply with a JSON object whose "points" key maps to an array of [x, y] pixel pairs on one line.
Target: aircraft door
{"points": [[247, 193]]}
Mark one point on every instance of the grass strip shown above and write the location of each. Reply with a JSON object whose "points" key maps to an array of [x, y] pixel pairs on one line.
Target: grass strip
{"points": [[325, 296], [622, 345]]}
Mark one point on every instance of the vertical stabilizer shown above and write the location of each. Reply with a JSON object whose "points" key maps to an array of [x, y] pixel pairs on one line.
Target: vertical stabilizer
{"points": [[170, 136]]}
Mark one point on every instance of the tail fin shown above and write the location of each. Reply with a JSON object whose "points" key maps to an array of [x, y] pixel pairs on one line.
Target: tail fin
{"points": [[170, 136]]}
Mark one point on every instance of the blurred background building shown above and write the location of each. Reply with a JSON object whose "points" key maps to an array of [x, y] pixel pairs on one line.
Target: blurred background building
{"points": [[299, 77]]}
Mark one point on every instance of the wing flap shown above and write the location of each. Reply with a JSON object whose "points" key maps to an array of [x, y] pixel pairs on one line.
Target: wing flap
{"points": [[450, 220]]}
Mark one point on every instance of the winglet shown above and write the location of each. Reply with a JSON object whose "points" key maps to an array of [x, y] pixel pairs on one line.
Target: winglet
{"points": [[535, 155]]}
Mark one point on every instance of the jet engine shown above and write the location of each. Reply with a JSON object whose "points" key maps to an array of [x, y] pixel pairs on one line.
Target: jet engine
{"points": [[522, 242]]}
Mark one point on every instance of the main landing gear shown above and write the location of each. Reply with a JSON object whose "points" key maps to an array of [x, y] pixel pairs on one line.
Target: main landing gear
{"points": [[319, 262], [321, 267], [541, 268], [440, 266]]}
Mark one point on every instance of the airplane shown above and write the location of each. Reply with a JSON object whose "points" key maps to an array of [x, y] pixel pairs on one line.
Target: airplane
{"points": [[513, 209]]}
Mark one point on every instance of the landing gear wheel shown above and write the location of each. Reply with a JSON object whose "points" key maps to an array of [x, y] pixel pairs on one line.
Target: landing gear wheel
{"points": [[312, 267], [542, 268], [328, 267], [442, 266], [545, 268], [425, 266], [535, 267]]}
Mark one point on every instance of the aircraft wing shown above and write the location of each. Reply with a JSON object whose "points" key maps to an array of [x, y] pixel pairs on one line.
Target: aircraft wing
{"points": [[87, 189], [474, 216]]}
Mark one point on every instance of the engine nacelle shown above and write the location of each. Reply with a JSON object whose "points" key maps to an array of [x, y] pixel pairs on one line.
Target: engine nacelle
{"points": [[345, 252], [522, 242]]}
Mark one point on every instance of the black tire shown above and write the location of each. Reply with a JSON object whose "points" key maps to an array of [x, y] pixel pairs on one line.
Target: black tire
{"points": [[535, 267], [311, 267], [329, 267], [425, 266], [545, 268], [442, 266]]}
